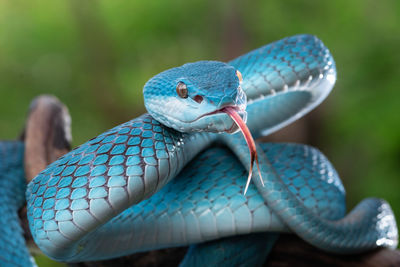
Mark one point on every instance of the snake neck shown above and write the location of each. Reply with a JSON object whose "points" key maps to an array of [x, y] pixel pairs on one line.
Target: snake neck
{"points": [[134, 160]]}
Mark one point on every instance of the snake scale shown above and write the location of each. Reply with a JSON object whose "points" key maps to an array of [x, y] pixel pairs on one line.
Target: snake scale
{"points": [[176, 176]]}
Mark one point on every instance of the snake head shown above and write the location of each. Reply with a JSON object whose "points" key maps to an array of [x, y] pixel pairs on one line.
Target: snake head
{"points": [[192, 97]]}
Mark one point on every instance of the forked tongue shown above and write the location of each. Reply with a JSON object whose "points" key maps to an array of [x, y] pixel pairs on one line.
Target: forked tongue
{"points": [[249, 140]]}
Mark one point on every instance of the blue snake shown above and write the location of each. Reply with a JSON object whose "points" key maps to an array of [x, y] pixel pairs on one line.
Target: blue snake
{"points": [[177, 175]]}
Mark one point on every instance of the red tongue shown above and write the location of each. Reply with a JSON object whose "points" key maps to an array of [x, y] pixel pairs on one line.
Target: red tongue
{"points": [[249, 140]]}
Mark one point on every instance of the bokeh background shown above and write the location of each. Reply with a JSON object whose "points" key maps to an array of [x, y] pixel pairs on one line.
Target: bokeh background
{"points": [[95, 56]]}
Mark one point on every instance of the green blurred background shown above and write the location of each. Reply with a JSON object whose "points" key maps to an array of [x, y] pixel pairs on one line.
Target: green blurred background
{"points": [[95, 56]]}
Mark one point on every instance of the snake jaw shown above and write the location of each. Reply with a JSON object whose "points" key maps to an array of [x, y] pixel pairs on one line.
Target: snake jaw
{"points": [[232, 112], [238, 106]]}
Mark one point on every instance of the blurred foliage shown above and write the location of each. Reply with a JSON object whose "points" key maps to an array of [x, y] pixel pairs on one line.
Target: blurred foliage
{"points": [[96, 56]]}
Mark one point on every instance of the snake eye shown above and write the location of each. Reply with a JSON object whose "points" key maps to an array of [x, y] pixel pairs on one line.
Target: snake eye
{"points": [[239, 75], [181, 90]]}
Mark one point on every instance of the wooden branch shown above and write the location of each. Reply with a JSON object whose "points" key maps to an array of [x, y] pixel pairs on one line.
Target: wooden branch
{"points": [[47, 134], [156, 258], [290, 250]]}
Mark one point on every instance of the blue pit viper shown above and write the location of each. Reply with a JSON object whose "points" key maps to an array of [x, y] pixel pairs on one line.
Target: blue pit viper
{"points": [[176, 176]]}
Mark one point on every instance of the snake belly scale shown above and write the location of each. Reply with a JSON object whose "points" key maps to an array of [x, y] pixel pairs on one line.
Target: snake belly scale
{"points": [[120, 188]]}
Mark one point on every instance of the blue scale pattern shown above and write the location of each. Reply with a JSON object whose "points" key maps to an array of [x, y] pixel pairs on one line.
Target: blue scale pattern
{"points": [[284, 80], [103, 177], [13, 250], [214, 202], [297, 61]]}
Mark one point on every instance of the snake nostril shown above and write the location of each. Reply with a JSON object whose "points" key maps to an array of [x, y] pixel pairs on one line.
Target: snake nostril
{"points": [[198, 98]]}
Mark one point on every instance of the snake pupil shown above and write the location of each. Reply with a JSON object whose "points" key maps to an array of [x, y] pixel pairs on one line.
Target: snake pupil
{"points": [[181, 90]]}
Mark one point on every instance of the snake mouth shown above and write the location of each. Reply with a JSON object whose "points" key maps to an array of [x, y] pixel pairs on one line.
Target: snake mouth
{"points": [[238, 104], [222, 110], [240, 110]]}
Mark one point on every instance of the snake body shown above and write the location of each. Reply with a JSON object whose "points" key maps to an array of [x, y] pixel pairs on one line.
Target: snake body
{"points": [[13, 251], [123, 191]]}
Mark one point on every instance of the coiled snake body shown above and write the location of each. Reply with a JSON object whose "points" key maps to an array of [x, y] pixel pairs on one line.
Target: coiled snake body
{"points": [[124, 192]]}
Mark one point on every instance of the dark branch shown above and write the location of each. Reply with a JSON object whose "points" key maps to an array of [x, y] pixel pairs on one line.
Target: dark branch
{"points": [[47, 134], [288, 251]]}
